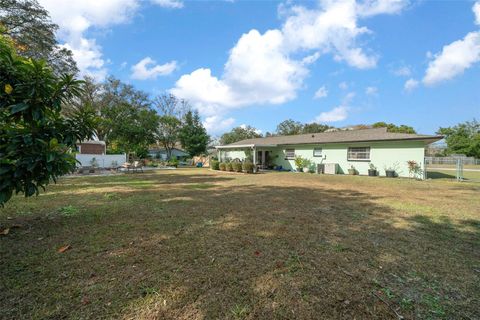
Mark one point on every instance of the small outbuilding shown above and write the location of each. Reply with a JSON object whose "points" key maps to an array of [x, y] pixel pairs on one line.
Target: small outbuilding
{"points": [[92, 147]]}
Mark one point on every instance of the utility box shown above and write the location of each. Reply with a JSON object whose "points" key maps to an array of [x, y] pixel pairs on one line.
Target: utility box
{"points": [[331, 168]]}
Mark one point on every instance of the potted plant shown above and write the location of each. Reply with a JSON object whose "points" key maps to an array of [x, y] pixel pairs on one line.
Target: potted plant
{"points": [[352, 171], [306, 165], [298, 163], [372, 171], [390, 172]]}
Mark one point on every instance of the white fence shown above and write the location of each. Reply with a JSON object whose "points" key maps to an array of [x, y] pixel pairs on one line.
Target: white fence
{"points": [[101, 160]]}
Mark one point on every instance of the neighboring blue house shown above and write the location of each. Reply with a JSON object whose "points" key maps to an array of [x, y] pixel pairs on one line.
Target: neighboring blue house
{"points": [[161, 153]]}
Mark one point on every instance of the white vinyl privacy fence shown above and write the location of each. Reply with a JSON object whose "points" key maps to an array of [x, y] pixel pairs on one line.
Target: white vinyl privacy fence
{"points": [[101, 160]]}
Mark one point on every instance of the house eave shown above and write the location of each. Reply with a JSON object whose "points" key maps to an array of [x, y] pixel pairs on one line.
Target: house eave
{"points": [[242, 146]]}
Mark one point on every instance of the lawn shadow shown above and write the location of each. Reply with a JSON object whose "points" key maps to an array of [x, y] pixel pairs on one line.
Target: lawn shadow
{"points": [[250, 251]]}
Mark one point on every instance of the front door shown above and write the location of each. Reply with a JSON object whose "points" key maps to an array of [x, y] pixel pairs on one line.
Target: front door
{"points": [[262, 158]]}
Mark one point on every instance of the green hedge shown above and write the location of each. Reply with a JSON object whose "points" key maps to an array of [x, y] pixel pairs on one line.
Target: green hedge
{"points": [[237, 166], [223, 166], [215, 165], [229, 166], [247, 167]]}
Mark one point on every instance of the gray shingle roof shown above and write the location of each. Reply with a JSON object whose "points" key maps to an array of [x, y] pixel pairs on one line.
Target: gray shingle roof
{"points": [[363, 135]]}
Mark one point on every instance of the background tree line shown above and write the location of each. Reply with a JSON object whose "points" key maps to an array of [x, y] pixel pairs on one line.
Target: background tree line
{"points": [[129, 121]]}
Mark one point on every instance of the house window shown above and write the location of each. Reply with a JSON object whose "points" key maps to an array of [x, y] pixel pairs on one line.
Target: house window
{"points": [[290, 153], [362, 153], [317, 152]]}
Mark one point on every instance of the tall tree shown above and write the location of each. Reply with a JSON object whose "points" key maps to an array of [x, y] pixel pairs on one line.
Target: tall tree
{"points": [[132, 129], [192, 134], [167, 132], [315, 127], [239, 133], [394, 128], [35, 138], [106, 100], [168, 104], [464, 138], [33, 32], [289, 127]]}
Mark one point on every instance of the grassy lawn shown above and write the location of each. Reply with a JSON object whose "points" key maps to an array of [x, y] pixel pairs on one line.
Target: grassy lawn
{"points": [[449, 174], [197, 244]]}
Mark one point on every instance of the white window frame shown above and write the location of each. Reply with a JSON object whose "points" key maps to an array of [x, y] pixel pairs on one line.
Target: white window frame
{"points": [[353, 155], [287, 156], [316, 150]]}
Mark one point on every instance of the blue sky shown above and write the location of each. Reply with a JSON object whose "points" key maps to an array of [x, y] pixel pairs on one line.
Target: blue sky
{"points": [[261, 62]]}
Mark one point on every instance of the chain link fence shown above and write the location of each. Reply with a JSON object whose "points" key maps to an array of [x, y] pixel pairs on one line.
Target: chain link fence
{"points": [[453, 168]]}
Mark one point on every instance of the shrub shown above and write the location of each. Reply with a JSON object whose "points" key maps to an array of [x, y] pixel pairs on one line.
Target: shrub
{"points": [[247, 167], [215, 165], [229, 166], [223, 166], [298, 162], [172, 163], [237, 166]]}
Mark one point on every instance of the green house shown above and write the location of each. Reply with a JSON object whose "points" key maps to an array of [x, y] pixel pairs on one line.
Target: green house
{"points": [[334, 152]]}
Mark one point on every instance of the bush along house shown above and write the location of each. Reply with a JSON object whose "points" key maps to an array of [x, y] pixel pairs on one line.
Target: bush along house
{"points": [[366, 151]]}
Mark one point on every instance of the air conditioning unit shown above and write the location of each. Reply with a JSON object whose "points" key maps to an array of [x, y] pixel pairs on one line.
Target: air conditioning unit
{"points": [[331, 168]]}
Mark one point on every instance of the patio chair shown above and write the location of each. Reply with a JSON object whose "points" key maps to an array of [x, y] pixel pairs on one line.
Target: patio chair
{"points": [[127, 166], [137, 165]]}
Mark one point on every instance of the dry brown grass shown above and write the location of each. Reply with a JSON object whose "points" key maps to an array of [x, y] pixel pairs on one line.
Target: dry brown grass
{"points": [[197, 244]]}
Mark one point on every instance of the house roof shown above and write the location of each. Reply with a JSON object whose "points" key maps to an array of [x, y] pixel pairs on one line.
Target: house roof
{"points": [[362, 135]]}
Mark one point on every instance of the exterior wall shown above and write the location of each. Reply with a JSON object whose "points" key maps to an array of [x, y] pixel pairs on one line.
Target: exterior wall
{"points": [[229, 154], [103, 160], [382, 155], [163, 154], [92, 148]]}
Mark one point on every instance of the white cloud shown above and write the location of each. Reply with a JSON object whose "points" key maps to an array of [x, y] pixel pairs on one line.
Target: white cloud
{"points": [[257, 72], [343, 85], [374, 7], [476, 11], [244, 126], [371, 91], [172, 4], [454, 59], [322, 92], [270, 68], [336, 114], [403, 71], [216, 124], [147, 68], [410, 84], [76, 17]]}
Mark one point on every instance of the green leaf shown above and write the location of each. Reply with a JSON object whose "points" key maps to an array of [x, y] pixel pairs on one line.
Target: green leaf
{"points": [[19, 107]]}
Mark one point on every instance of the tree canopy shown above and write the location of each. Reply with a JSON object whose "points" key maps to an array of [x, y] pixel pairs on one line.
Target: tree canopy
{"points": [[289, 127], [394, 128], [33, 34], [192, 134], [464, 138], [167, 133], [239, 133], [35, 138]]}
